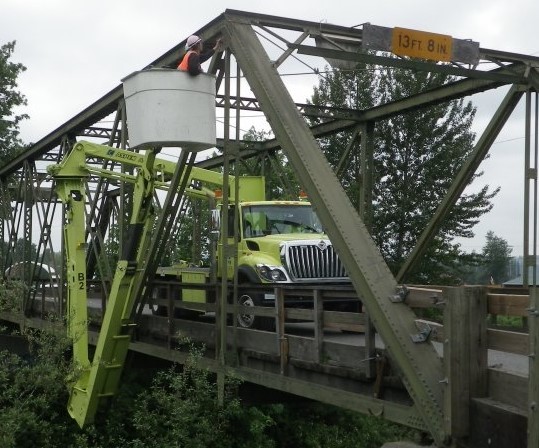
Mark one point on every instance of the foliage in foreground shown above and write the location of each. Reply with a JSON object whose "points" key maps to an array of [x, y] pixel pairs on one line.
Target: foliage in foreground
{"points": [[167, 408]]}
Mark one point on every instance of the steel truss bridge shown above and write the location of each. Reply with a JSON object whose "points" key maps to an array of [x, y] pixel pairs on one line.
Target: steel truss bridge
{"points": [[447, 390]]}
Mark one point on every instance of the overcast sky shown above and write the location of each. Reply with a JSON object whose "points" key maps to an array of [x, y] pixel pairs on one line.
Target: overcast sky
{"points": [[75, 52]]}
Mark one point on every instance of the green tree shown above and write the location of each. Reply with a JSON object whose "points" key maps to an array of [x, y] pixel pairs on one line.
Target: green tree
{"points": [[281, 181], [471, 270], [20, 251], [10, 99], [496, 256], [416, 157], [191, 241], [110, 254]]}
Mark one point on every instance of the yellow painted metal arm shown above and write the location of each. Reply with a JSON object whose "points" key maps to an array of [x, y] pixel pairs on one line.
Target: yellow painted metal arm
{"points": [[75, 163]]}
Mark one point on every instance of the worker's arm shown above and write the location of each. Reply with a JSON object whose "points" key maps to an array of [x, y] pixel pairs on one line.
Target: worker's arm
{"points": [[195, 60]]}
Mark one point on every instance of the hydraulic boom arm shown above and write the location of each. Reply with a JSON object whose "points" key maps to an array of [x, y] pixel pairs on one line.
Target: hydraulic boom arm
{"points": [[100, 377]]}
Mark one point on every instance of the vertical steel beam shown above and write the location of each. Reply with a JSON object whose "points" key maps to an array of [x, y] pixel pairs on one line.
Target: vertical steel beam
{"points": [[535, 186], [533, 380], [97, 223], [463, 178], [367, 168], [366, 213], [225, 252], [529, 176], [28, 271], [126, 190], [7, 223], [238, 160], [420, 365]]}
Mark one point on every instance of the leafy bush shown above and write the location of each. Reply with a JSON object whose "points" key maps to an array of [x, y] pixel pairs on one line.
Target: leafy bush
{"points": [[318, 425], [11, 294], [33, 395], [181, 409], [175, 407]]}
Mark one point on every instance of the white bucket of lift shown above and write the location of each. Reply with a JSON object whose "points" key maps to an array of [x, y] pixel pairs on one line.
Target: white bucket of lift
{"points": [[170, 108]]}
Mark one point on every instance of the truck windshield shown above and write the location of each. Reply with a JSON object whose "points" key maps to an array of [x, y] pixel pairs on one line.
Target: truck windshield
{"points": [[261, 220]]}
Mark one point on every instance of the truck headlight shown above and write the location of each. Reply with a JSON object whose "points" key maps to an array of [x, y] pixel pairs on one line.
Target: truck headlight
{"points": [[271, 273]]}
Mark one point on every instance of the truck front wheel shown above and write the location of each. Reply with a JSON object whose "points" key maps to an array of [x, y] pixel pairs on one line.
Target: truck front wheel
{"points": [[246, 320]]}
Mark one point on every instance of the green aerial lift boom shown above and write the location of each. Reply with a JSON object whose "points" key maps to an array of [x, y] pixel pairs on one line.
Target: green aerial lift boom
{"points": [[99, 378], [267, 231]]}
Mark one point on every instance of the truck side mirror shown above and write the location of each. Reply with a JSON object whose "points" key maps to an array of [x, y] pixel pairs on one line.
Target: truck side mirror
{"points": [[215, 221]]}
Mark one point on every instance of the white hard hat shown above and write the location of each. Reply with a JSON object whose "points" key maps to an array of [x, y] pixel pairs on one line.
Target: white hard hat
{"points": [[192, 41]]}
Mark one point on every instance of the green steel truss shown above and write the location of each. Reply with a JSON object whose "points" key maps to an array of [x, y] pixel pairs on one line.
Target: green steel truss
{"points": [[420, 366]]}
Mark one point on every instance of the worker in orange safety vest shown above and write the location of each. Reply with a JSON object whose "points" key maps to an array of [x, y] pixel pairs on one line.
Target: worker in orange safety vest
{"points": [[194, 57]]}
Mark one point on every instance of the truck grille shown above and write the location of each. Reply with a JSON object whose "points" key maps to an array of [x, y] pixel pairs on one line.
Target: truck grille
{"points": [[313, 261]]}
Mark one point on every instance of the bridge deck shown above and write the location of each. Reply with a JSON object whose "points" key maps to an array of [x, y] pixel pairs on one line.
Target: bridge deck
{"points": [[331, 365]]}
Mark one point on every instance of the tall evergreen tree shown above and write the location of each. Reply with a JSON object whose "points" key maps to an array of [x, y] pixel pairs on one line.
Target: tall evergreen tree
{"points": [[10, 99], [496, 256], [416, 157]]}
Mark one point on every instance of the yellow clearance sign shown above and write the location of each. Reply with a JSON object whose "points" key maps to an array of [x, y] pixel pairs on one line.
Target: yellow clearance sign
{"points": [[419, 44]]}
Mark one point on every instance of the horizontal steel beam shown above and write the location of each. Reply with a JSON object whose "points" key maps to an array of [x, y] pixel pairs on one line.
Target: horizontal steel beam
{"points": [[503, 78]]}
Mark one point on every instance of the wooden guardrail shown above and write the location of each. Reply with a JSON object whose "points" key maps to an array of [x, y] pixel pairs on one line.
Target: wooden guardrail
{"points": [[480, 394], [463, 327]]}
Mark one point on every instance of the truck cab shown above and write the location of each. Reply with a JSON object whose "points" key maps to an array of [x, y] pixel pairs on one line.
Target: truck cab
{"points": [[279, 243], [283, 242]]}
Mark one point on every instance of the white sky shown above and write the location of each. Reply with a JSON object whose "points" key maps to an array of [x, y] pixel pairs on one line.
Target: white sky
{"points": [[75, 52]]}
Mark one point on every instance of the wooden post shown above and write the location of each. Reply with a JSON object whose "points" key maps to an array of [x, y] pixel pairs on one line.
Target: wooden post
{"points": [[319, 325], [533, 385], [370, 348], [457, 363], [478, 352], [282, 340], [170, 313], [465, 355]]}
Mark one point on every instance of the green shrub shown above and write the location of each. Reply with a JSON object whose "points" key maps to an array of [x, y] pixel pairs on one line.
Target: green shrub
{"points": [[176, 407], [317, 425], [33, 395], [11, 294]]}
